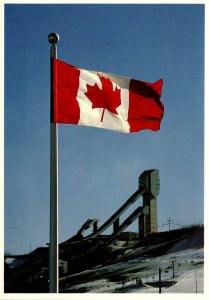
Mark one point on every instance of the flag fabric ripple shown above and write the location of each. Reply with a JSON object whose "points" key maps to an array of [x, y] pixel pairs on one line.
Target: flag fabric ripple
{"points": [[104, 100]]}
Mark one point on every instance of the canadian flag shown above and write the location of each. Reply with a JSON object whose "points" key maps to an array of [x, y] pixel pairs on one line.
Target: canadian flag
{"points": [[104, 100]]}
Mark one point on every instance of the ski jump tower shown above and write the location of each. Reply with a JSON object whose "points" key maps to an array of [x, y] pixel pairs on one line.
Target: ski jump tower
{"points": [[149, 188], [149, 181]]}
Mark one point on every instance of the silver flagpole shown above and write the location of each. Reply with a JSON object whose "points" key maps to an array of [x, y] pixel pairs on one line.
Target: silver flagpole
{"points": [[53, 38]]}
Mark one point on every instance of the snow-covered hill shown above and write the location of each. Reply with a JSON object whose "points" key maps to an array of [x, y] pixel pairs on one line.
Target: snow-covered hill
{"points": [[181, 272], [136, 270], [175, 258]]}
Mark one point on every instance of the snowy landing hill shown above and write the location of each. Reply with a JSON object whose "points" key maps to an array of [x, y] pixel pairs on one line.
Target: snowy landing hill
{"points": [[170, 262], [134, 267], [181, 272]]}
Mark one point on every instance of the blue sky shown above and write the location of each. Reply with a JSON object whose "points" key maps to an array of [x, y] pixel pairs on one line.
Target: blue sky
{"points": [[99, 169]]}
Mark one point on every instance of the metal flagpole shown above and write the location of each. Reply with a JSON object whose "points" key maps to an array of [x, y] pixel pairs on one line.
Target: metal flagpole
{"points": [[53, 38]]}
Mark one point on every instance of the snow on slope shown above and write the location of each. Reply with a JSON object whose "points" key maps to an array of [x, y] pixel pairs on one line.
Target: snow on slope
{"points": [[122, 277], [14, 262], [186, 283]]}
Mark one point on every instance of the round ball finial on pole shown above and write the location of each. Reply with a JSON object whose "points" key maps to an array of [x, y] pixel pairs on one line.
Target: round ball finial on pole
{"points": [[53, 38]]}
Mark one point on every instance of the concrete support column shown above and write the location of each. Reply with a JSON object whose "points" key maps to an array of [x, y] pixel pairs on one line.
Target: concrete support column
{"points": [[116, 225], [150, 220], [95, 226]]}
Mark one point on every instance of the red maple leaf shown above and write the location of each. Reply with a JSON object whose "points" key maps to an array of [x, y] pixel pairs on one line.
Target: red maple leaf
{"points": [[105, 98]]}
